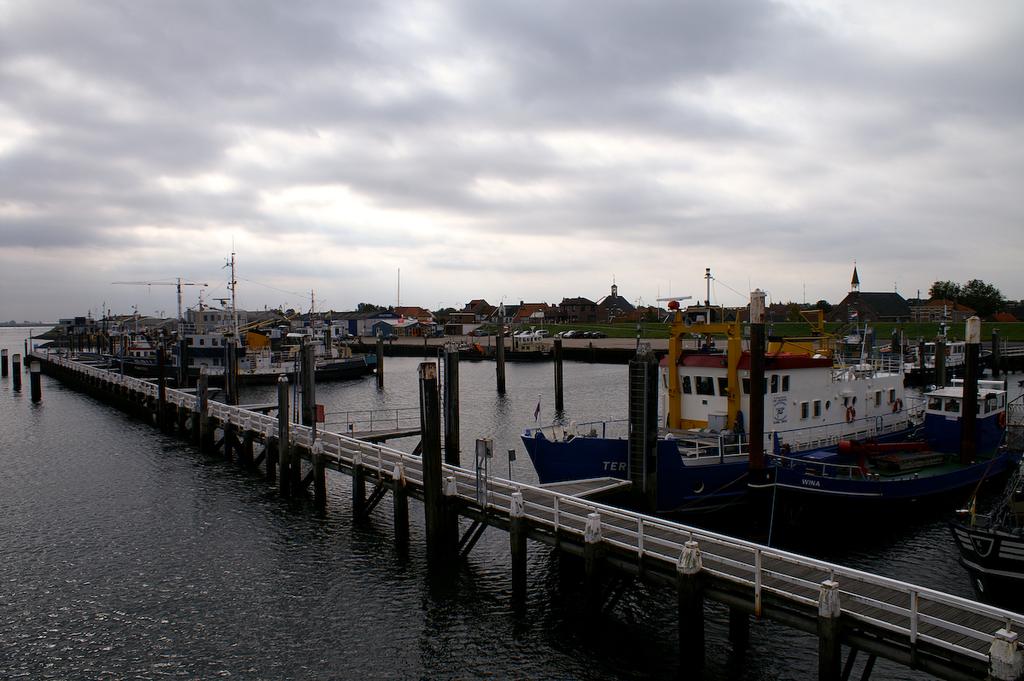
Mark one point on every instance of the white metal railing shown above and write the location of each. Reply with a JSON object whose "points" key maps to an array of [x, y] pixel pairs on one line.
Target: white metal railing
{"points": [[736, 560]]}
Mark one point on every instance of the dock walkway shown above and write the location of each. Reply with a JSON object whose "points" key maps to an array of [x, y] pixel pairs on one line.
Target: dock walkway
{"points": [[945, 635]]}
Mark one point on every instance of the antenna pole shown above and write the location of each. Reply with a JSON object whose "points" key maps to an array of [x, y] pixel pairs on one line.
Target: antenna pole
{"points": [[234, 283], [179, 300]]}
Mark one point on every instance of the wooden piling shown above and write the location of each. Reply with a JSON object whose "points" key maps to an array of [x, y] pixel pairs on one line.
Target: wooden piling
{"points": [[308, 374], [35, 382], [16, 372], [920, 357], [161, 388], [451, 406], [940, 362], [592, 560], [996, 365], [756, 408], [283, 437], [499, 358], [969, 410], [643, 431], [559, 395], [401, 506], [430, 430], [245, 454], [830, 652], [181, 380], [358, 486], [380, 362], [205, 432], [319, 477], [517, 543], [690, 601], [231, 371], [4, 369], [739, 628]]}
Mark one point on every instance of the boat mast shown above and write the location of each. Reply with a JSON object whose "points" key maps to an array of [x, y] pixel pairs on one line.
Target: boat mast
{"points": [[234, 285]]}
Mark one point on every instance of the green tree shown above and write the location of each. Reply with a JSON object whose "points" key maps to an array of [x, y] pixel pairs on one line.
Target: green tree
{"points": [[984, 298], [368, 307], [823, 305], [945, 290]]}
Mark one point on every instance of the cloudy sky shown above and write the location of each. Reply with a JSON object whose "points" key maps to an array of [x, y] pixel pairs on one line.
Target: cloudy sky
{"points": [[505, 149]]}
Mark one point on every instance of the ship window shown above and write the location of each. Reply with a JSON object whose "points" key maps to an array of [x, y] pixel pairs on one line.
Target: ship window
{"points": [[952, 405], [686, 385], [990, 403], [878, 398], [746, 386], [775, 383], [804, 410], [817, 408], [785, 383], [828, 404], [705, 385], [935, 403], [1000, 401], [202, 341], [892, 395], [723, 386]]}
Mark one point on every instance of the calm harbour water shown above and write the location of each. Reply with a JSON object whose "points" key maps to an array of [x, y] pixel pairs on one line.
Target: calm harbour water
{"points": [[126, 554]]}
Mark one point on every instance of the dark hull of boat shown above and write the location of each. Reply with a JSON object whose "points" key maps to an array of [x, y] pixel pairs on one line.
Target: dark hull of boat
{"points": [[995, 561]]}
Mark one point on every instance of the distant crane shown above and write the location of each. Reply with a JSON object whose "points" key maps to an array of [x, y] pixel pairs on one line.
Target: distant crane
{"points": [[178, 283]]}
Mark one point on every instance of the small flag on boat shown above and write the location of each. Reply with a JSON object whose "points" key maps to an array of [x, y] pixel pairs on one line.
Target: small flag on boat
{"points": [[536, 412]]}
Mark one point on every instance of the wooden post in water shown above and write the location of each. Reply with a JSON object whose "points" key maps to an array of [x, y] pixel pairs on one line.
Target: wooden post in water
{"points": [[592, 560], [231, 371], [920, 357], [756, 444], [308, 373], [35, 382], [16, 372], [559, 395], [969, 406], [517, 542], [283, 435], [161, 388], [380, 362], [1005, 659], [690, 595], [643, 430], [451, 406], [358, 486], [319, 477], [203, 398], [401, 506], [940, 362], [4, 369], [739, 628], [182, 373], [430, 429], [499, 356], [830, 650], [996, 368]]}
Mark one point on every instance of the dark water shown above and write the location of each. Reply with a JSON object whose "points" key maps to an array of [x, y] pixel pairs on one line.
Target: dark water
{"points": [[125, 554]]}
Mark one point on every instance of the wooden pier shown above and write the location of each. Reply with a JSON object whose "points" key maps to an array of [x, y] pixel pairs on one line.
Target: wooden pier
{"points": [[944, 635]]}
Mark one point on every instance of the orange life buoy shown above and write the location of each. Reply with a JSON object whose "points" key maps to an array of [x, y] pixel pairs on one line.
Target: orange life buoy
{"points": [[850, 414], [1001, 419], [897, 405]]}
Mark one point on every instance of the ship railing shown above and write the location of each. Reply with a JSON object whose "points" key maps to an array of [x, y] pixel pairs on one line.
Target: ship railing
{"points": [[816, 437], [918, 614], [822, 468], [558, 432]]}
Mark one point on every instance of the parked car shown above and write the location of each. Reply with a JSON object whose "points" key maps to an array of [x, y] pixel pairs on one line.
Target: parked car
{"points": [[541, 333], [571, 333], [598, 334]]}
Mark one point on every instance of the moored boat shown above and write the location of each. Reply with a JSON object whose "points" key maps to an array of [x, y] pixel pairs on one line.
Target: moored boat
{"points": [[702, 445], [878, 474]]}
